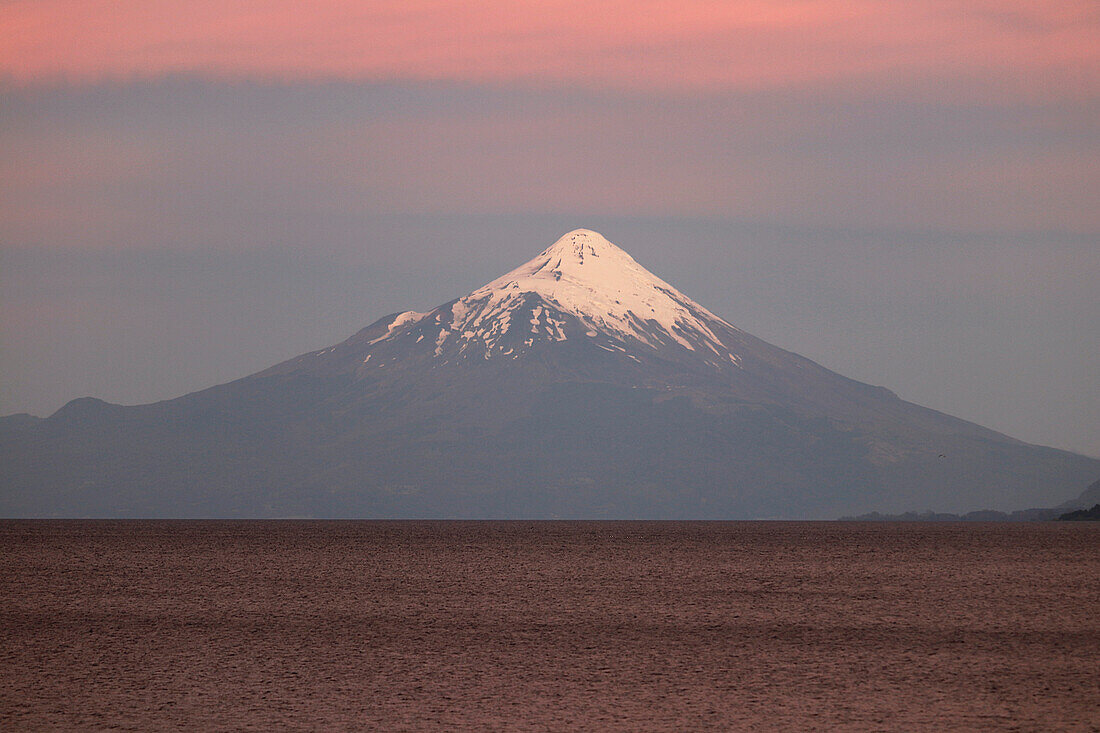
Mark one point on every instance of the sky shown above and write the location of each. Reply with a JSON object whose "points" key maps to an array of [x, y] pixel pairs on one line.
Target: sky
{"points": [[905, 192]]}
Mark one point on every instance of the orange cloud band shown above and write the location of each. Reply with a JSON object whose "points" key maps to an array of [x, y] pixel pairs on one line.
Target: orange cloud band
{"points": [[619, 44]]}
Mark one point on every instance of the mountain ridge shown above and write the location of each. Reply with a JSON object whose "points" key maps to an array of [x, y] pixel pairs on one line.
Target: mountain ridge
{"points": [[578, 384]]}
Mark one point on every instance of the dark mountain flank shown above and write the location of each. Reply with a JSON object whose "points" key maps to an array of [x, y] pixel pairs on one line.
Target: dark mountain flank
{"points": [[577, 385]]}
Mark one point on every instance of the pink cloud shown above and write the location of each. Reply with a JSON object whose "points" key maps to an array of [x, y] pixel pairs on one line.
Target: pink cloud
{"points": [[636, 45]]}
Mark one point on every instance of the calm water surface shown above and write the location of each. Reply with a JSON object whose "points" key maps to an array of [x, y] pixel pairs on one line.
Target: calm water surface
{"points": [[514, 625]]}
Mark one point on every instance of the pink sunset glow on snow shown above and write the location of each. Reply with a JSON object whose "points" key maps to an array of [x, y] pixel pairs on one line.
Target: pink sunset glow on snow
{"points": [[635, 45]]}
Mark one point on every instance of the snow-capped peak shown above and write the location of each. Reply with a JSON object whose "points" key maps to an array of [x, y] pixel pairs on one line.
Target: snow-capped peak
{"points": [[586, 276], [584, 282]]}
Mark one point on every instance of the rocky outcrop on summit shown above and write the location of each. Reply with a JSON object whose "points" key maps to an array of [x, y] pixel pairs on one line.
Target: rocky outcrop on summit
{"points": [[576, 385]]}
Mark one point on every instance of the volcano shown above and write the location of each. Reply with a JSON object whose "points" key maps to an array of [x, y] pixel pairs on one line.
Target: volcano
{"points": [[577, 385]]}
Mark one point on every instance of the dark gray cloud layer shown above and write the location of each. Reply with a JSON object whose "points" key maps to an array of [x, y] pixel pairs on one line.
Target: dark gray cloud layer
{"points": [[163, 237]]}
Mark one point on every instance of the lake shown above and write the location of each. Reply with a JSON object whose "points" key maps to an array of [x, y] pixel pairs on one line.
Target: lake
{"points": [[549, 625]]}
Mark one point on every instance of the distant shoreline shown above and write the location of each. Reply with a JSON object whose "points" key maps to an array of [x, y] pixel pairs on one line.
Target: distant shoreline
{"points": [[983, 515]]}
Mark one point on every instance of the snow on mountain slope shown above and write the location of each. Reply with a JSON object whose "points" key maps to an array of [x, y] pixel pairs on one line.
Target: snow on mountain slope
{"points": [[580, 279]]}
